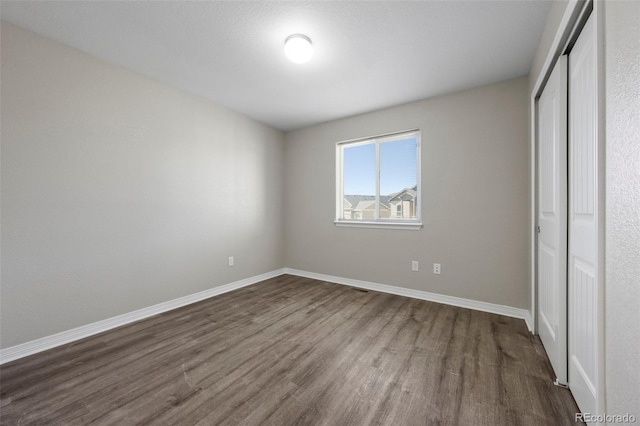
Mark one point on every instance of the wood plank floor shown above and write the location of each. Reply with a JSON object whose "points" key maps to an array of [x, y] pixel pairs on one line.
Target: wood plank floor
{"points": [[293, 350]]}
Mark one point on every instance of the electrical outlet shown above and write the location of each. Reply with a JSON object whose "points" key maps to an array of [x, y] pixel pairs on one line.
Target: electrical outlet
{"points": [[436, 268], [415, 265], [231, 262]]}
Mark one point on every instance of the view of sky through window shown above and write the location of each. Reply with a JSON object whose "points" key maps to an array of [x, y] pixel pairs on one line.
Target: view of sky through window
{"points": [[397, 167]]}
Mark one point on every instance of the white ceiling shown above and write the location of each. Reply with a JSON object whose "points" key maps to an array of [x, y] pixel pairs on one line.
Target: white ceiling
{"points": [[368, 55]]}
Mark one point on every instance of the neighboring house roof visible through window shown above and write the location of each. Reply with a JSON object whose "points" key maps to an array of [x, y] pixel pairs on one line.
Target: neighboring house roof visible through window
{"points": [[355, 200], [404, 195]]}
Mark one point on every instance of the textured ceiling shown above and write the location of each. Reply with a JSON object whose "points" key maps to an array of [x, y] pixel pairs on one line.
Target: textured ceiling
{"points": [[368, 55]]}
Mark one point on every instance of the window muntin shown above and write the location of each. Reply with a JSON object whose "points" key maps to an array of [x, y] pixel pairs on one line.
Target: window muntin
{"points": [[378, 180]]}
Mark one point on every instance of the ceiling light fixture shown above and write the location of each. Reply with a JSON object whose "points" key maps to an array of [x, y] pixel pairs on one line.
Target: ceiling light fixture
{"points": [[298, 48]]}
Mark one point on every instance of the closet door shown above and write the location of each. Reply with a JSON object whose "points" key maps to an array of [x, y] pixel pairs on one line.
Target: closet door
{"points": [[583, 221], [552, 219]]}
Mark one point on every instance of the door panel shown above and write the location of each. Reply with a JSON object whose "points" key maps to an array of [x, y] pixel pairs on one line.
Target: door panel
{"points": [[552, 218], [583, 225]]}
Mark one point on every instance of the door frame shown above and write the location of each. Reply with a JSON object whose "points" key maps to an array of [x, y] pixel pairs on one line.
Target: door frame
{"points": [[573, 19]]}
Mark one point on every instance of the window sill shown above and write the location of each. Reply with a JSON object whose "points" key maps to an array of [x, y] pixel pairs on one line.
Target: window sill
{"points": [[380, 225]]}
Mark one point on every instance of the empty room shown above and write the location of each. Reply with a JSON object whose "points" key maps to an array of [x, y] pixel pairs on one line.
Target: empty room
{"points": [[320, 212]]}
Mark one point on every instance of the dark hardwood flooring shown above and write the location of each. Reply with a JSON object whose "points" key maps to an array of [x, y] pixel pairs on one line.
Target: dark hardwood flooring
{"points": [[293, 350]]}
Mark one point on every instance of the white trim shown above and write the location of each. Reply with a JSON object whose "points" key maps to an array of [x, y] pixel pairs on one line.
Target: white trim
{"points": [[476, 305], [529, 320], [598, 14], [384, 135], [380, 224], [377, 207], [68, 336]]}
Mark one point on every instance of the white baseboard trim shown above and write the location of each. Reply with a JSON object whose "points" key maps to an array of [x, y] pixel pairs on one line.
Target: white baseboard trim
{"points": [[29, 348], [492, 308], [62, 338], [528, 318]]}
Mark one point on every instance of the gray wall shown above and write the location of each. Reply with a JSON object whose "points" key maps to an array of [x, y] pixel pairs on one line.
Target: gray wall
{"points": [[475, 192], [119, 192], [622, 258]]}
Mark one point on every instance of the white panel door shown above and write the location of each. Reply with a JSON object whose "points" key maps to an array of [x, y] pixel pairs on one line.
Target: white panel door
{"points": [[552, 219], [583, 222]]}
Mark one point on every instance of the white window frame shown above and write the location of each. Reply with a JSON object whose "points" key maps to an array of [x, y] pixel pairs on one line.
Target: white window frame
{"points": [[390, 223]]}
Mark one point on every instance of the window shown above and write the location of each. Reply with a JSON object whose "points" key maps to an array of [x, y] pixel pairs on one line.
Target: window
{"points": [[378, 181]]}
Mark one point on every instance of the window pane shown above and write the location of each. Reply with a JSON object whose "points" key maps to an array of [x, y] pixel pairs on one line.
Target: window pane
{"points": [[359, 180], [398, 179]]}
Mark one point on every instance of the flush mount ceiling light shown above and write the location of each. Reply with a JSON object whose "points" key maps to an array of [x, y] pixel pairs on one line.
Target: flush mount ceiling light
{"points": [[298, 48]]}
